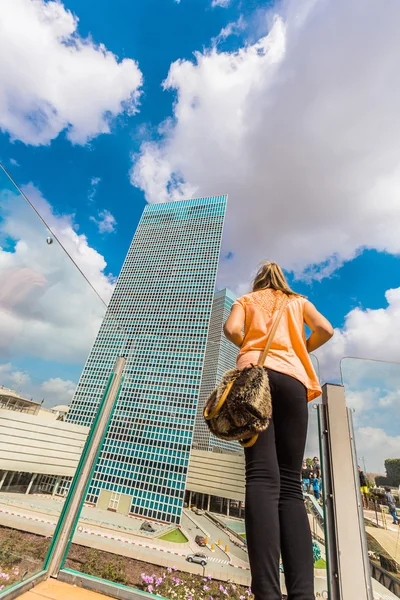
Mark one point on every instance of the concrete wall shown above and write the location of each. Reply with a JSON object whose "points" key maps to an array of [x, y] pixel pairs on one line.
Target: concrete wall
{"points": [[31, 444], [216, 474]]}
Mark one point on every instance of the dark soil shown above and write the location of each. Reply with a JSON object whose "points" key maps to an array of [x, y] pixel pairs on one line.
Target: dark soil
{"points": [[110, 566], [27, 552]]}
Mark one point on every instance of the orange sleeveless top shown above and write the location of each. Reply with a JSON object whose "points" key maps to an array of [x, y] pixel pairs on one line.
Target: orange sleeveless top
{"points": [[288, 353]]}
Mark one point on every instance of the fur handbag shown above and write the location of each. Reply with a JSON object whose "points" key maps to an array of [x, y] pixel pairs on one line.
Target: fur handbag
{"points": [[240, 407]]}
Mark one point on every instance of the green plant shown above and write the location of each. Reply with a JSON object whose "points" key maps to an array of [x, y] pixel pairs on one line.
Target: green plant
{"points": [[9, 553], [113, 571], [392, 466], [91, 565], [38, 549]]}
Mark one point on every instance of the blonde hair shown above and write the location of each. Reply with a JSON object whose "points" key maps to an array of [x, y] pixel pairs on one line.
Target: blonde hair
{"points": [[270, 275]]}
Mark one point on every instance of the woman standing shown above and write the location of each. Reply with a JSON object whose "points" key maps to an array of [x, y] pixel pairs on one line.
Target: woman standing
{"points": [[276, 519]]}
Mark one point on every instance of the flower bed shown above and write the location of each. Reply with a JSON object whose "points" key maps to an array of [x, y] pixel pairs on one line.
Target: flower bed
{"points": [[185, 586]]}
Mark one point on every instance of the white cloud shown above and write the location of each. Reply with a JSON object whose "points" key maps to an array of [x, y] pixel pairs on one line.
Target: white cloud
{"points": [[53, 391], [366, 333], [47, 309], [222, 3], [105, 221], [53, 80], [14, 162], [13, 378], [233, 28], [57, 391], [94, 182], [391, 399], [376, 445], [300, 128]]}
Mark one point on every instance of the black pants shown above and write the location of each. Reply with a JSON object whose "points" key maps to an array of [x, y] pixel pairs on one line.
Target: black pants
{"points": [[276, 519]]}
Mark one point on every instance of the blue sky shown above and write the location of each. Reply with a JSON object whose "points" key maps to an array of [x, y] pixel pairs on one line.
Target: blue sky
{"points": [[259, 102]]}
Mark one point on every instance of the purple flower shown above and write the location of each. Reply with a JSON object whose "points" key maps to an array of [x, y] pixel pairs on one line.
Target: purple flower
{"points": [[150, 589], [159, 581], [205, 588], [169, 570]]}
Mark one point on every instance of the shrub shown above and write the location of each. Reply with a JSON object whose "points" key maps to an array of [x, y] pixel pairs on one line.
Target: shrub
{"points": [[381, 481], [9, 553], [113, 570], [91, 565]]}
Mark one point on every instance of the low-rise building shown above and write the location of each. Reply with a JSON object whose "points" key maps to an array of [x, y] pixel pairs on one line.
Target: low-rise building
{"points": [[38, 453]]}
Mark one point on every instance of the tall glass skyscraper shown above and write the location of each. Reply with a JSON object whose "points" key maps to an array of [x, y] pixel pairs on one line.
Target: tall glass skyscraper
{"points": [[220, 357], [159, 318]]}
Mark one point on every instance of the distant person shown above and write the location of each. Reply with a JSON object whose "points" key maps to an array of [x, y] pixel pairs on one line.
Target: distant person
{"points": [[305, 477], [363, 487], [391, 505], [275, 515], [316, 467], [315, 485]]}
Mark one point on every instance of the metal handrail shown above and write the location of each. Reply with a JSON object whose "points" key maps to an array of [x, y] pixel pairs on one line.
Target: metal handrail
{"points": [[389, 581]]}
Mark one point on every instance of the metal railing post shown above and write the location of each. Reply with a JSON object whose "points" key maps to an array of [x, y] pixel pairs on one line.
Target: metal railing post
{"points": [[348, 576], [70, 514], [329, 508], [363, 533]]}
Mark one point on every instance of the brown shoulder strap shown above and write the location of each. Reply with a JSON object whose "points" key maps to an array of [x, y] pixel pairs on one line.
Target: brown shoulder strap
{"points": [[272, 332]]}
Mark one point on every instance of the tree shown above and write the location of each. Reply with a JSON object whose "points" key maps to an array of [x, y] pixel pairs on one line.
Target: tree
{"points": [[392, 479], [392, 466]]}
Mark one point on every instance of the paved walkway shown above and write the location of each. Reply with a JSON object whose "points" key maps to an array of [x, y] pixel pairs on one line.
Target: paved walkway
{"points": [[57, 590]]}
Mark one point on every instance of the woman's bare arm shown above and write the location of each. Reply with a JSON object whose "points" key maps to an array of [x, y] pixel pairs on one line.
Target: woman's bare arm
{"points": [[322, 330], [233, 328]]}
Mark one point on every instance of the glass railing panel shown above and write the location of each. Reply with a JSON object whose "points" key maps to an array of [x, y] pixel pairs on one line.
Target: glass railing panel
{"points": [[372, 390], [49, 317]]}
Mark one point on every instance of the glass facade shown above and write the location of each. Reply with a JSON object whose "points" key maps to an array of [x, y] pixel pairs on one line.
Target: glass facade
{"points": [[162, 306], [220, 357]]}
